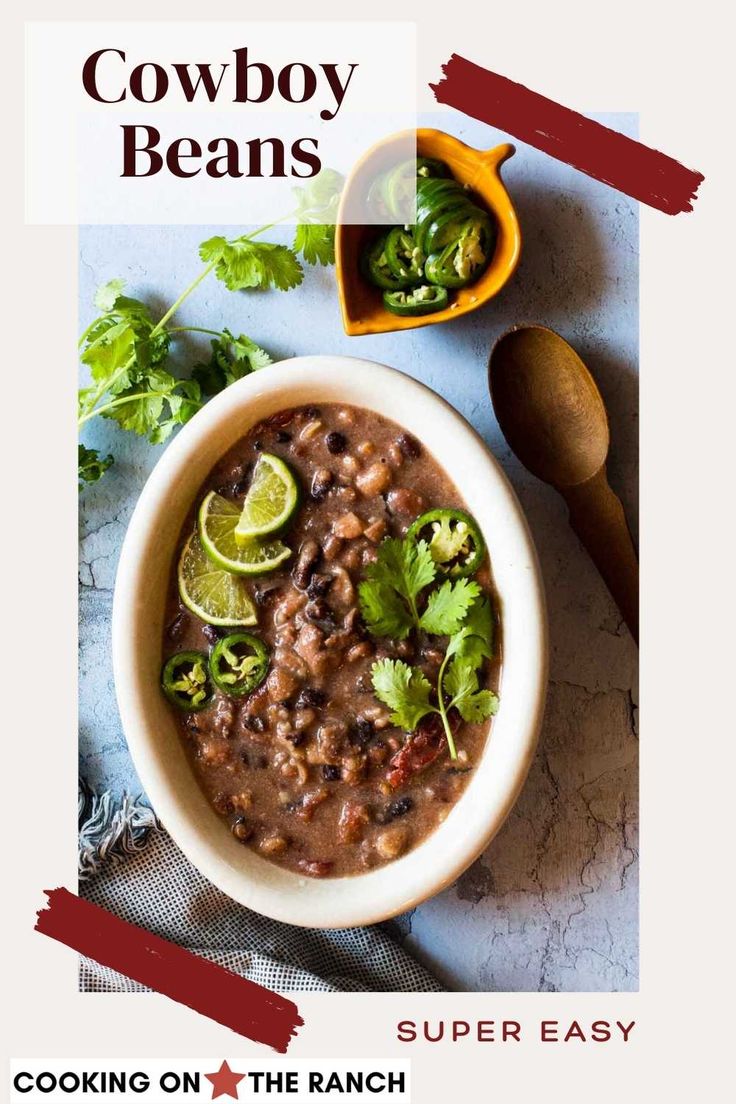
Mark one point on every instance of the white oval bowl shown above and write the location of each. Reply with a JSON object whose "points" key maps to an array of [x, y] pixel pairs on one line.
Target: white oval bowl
{"points": [[137, 626]]}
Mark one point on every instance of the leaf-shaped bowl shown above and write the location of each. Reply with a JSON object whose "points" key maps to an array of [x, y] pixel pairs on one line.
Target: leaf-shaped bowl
{"points": [[361, 304]]}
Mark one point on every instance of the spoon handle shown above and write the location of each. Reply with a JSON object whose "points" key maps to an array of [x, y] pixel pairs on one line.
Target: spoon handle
{"points": [[598, 518]]}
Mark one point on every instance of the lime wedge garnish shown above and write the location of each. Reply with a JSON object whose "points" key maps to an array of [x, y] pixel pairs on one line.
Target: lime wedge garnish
{"points": [[214, 595], [217, 521], [272, 499]]}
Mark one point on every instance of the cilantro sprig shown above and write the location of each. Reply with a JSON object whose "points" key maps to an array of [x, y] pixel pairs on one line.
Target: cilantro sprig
{"points": [[129, 355], [395, 602]]}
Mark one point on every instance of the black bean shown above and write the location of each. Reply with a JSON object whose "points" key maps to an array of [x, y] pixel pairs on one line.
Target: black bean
{"points": [[336, 442], [176, 627], [409, 446], [254, 723], [399, 808], [239, 488], [318, 610], [310, 696], [297, 738], [362, 732], [321, 483], [311, 411], [319, 585], [258, 446], [282, 436], [265, 592], [330, 773], [212, 634]]}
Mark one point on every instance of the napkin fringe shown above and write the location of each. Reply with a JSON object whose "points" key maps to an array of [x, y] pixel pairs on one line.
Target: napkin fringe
{"points": [[110, 828]]}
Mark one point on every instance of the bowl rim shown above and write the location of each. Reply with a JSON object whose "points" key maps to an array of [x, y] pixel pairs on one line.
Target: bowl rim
{"points": [[170, 784]]}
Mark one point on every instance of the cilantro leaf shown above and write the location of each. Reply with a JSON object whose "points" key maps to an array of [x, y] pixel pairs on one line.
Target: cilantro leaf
{"points": [[318, 200], [477, 640], [243, 263], [91, 466], [316, 242], [108, 354], [389, 591], [382, 609], [447, 607], [461, 683], [106, 295], [405, 690], [230, 360]]}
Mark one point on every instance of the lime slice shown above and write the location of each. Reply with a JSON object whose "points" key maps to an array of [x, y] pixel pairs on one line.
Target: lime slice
{"points": [[214, 595], [272, 499], [217, 521]]}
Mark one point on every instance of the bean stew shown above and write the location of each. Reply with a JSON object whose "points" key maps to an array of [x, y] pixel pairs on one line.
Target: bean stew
{"points": [[331, 648]]}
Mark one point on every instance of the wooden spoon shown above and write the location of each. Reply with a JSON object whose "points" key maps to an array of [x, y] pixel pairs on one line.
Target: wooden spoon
{"points": [[553, 417]]}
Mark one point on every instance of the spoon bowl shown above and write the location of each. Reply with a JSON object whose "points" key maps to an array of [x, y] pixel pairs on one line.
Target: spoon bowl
{"points": [[552, 415], [548, 406]]}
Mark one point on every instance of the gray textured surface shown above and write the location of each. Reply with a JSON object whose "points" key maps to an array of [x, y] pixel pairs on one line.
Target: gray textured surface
{"points": [[552, 905]]}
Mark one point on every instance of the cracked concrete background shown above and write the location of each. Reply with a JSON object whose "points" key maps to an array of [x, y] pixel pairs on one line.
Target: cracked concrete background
{"points": [[552, 904]]}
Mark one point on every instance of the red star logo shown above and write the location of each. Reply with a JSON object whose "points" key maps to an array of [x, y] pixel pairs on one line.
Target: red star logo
{"points": [[225, 1082]]}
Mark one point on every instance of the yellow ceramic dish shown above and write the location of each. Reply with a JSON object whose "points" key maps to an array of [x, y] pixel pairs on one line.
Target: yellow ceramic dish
{"points": [[361, 304]]}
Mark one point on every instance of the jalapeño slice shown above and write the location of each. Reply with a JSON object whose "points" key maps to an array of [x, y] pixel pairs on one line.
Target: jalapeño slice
{"points": [[454, 539], [403, 256], [186, 682], [376, 267], [238, 664], [414, 301]]}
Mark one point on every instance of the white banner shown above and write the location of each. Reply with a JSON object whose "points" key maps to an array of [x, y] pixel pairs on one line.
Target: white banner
{"points": [[203, 123]]}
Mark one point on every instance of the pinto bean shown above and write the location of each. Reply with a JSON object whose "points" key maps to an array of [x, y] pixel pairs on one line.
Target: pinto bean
{"points": [[343, 591], [375, 480], [330, 740], [347, 527], [409, 446], [376, 530], [281, 683], [353, 821], [405, 502], [358, 651], [287, 606], [241, 829], [306, 562], [311, 801], [392, 841], [242, 801], [332, 546], [214, 753], [273, 844], [322, 481]]}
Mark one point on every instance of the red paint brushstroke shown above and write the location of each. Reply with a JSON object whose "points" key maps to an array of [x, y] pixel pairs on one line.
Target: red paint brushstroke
{"points": [[631, 167], [250, 1009]]}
